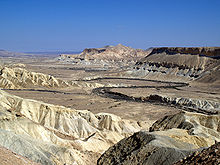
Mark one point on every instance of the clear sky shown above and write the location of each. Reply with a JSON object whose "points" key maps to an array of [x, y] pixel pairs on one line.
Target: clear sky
{"points": [[50, 25]]}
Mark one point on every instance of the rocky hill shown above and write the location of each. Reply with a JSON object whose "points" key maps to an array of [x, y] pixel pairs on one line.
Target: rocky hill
{"points": [[108, 53], [180, 135], [50, 134], [196, 124], [165, 147], [14, 78], [202, 51], [182, 64]]}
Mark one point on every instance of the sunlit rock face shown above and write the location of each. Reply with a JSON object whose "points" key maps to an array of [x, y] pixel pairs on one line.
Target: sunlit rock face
{"points": [[164, 147], [170, 139], [106, 56], [180, 64], [50, 134], [196, 124], [204, 51], [14, 78], [53, 134]]}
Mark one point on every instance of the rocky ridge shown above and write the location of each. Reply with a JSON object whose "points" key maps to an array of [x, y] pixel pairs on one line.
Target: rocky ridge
{"points": [[203, 51], [183, 64], [50, 134], [197, 105], [208, 156], [165, 147], [172, 138], [203, 106], [195, 123], [109, 55], [14, 78]]}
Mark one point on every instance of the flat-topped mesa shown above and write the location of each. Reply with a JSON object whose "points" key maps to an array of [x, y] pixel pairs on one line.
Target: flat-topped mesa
{"points": [[180, 64], [205, 51]]}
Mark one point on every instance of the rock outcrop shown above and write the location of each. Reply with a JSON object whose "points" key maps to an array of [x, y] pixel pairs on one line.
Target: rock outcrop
{"points": [[207, 156], [50, 134], [203, 51], [183, 64], [171, 139], [165, 147], [14, 78], [108, 53], [191, 104], [196, 124]]}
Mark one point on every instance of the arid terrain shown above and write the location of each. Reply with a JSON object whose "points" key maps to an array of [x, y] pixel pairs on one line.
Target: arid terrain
{"points": [[111, 105]]}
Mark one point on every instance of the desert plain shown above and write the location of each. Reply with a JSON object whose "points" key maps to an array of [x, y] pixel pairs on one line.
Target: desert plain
{"points": [[111, 105]]}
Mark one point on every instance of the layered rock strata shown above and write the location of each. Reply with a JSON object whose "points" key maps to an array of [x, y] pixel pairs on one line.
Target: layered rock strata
{"points": [[50, 134], [171, 139], [14, 78], [178, 63], [165, 147], [118, 53]]}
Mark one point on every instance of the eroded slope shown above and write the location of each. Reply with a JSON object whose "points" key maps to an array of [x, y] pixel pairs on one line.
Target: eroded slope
{"points": [[107, 57], [208, 156], [173, 138], [181, 64], [165, 147], [51, 134], [14, 78]]}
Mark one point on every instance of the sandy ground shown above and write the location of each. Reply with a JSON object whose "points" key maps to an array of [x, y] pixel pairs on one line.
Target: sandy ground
{"points": [[10, 158]]}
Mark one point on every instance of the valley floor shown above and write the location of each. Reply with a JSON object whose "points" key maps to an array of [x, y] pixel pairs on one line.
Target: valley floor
{"points": [[136, 99]]}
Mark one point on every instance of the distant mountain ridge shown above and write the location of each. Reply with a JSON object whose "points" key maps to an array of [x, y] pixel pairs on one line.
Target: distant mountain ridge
{"points": [[118, 52], [54, 52], [5, 53]]}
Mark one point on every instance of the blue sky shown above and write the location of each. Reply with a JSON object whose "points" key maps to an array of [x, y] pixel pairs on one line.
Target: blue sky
{"points": [[50, 25]]}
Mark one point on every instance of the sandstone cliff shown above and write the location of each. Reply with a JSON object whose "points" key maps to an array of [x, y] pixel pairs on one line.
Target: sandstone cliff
{"points": [[202, 51]]}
